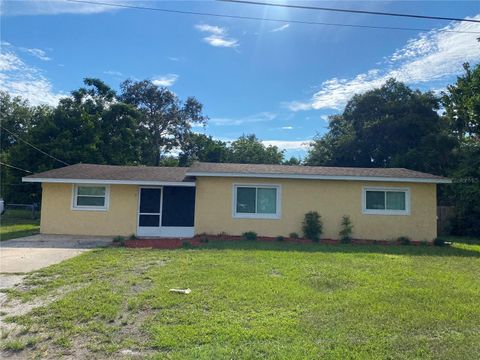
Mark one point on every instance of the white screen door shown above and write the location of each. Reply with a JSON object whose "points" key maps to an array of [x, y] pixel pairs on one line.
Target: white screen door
{"points": [[150, 212]]}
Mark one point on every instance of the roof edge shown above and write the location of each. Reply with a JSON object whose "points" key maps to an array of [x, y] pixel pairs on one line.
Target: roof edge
{"points": [[320, 177], [108, 182]]}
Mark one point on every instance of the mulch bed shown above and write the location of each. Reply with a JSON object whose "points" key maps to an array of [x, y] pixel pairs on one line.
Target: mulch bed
{"points": [[202, 240]]}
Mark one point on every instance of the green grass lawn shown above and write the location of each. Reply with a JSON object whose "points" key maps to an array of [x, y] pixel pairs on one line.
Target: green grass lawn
{"points": [[256, 300], [17, 223]]}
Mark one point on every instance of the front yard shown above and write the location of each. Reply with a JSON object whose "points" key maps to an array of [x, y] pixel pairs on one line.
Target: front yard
{"points": [[254, 300], [18, 223]]}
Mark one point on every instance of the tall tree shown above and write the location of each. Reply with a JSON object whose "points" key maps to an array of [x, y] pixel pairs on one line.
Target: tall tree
{"points": [[462, 103], [248, 149], [392, 126], [15, 118], [166, 121], [200, 147]]}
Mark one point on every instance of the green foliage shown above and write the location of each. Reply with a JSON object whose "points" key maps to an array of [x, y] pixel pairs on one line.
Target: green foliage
{"points": [[346, 229], [200, 147], [439, 242], [250, 235], [392, 126], [248, 149], [120, 240], [462, 108], [294, 235], [280, 238], [312, 226], [404, 240], [462, 103], [292, 161], [165, 120]]}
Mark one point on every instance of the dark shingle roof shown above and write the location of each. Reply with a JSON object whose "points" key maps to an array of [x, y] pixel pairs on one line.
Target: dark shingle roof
{"points": [[118, 173], [217, 169]]}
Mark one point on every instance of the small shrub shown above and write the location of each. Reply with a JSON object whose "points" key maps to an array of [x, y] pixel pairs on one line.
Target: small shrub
{"points": [[132, 237], [222, 235], [439, 242], [312, 226], [280, 238], [120, 240], [186, 245], [294, 235], [404, 240], [203, 237], [346, 229], [424, 243], [250, 235]]}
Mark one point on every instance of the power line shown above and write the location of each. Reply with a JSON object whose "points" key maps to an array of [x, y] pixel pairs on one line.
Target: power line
{"points": [[14, 167], [263, 18], [350, 11], [33, 146]]}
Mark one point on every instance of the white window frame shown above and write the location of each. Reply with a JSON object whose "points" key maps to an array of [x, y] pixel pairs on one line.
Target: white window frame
{"points": [[89, 207], [237, 215], [366, 211]]}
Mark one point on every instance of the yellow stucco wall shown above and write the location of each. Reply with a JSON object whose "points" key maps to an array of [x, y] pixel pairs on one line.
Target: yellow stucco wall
{"points": [[332, 199], [57, 216]]}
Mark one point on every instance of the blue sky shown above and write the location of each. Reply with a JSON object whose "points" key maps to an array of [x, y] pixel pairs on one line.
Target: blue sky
{"points": [[279, 80]]}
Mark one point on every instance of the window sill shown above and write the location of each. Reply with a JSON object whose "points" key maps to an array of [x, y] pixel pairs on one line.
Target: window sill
{"points": [[88, 209], [387, 213], [257, 216]]}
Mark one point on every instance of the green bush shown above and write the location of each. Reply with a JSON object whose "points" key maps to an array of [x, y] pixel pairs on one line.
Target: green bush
{"points": [[132, 237], [280, 238], [250, 235], [346, 229], [404, 240], [120, 240], [312, 226], [294, 235], [439, 242]]}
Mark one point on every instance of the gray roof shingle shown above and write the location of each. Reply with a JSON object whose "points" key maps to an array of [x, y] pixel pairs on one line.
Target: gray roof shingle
{"points": [[299, 170], [117, 173], [147, 174]]}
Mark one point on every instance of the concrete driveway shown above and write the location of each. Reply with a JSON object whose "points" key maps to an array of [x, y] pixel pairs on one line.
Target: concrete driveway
{"points": [[31, 253]]}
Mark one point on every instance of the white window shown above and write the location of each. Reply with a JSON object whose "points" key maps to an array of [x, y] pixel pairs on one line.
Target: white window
{"points": [[90, 197], [256, 201], [386, 201]]}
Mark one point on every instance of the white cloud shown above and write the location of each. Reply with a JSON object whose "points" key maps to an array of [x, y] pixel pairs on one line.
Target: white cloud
{"points": [[165, 80], [259, 117], [20, 79], [324, 117], [56, 7], [433, 56], [38, 53], [281, 28], [113, 73], [288, 145], [287, 127], [9, 61], [217, 30], [218, 36]]}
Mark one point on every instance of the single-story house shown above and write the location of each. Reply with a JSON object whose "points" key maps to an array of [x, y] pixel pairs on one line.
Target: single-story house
{"points": [[214, 198]]}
